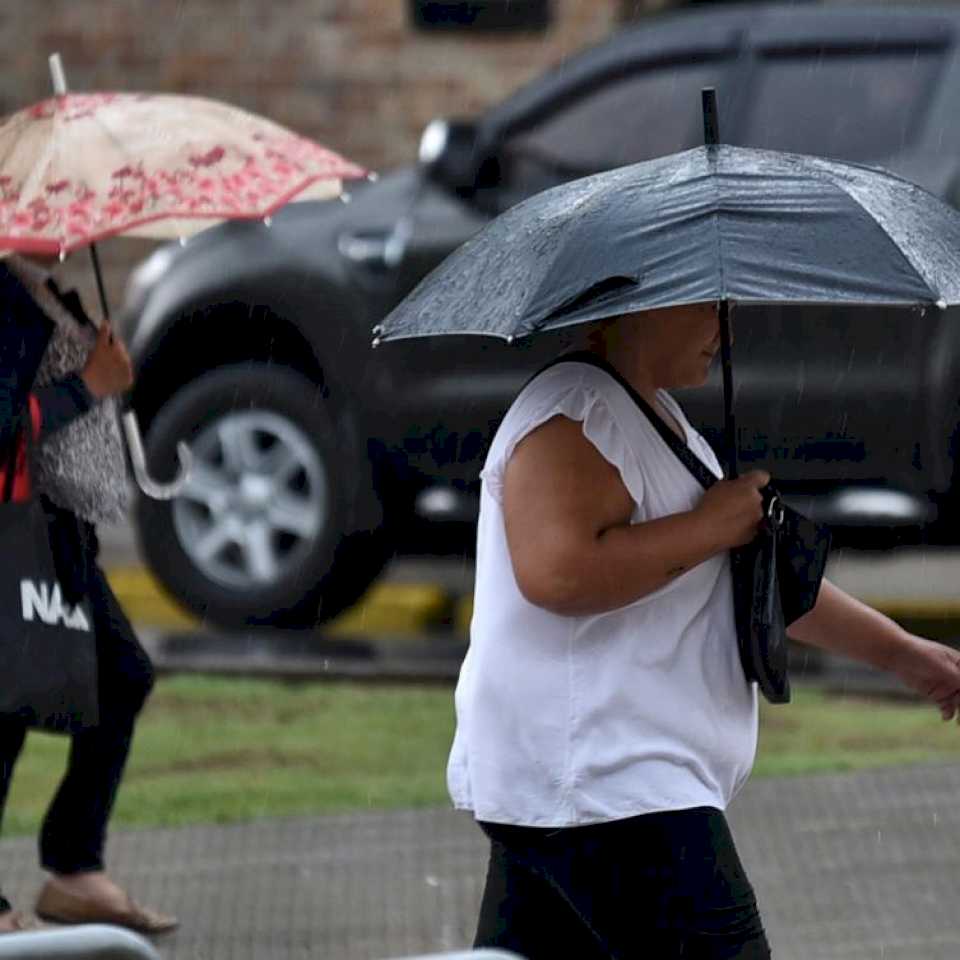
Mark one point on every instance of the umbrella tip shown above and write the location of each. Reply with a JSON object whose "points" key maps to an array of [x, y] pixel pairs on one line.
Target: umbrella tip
{"points": [[57, 75], [711, 123], [268, 221], [942, 304], [345, 197], [376, 342]]}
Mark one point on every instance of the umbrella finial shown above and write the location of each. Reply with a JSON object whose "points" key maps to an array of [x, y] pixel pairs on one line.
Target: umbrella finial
{"points": [[58, 75], [711, 123]]}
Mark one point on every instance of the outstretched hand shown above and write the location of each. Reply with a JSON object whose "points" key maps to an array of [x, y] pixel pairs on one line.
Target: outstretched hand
{"points": [[933, 670]]}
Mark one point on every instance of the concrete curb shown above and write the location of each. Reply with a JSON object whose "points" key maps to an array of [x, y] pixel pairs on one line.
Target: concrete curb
{"points": [[433, 657]]}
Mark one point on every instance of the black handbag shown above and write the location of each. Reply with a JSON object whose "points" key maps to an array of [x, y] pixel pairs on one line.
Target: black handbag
{"points": [[776, 577]]}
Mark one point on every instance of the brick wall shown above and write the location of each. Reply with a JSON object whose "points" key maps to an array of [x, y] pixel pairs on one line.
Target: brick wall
{"points": [[354, 74]]}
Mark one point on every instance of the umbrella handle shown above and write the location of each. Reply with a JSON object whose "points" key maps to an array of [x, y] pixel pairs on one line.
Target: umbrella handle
{"points": [[154, 488]]}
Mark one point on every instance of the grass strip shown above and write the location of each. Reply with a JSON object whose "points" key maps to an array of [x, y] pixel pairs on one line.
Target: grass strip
{"points": [[220, 750]]}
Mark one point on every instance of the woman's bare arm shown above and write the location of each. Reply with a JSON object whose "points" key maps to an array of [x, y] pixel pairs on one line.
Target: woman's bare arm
{"points": [[842, 624], [573, 548]]}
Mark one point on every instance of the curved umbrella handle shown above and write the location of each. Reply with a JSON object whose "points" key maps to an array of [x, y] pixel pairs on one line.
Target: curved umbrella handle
{"points": [[153, 488]]}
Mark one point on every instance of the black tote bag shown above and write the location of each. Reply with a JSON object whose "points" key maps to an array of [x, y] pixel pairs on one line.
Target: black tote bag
{"points": [[776, 577], [47, 645], [48, 659]]}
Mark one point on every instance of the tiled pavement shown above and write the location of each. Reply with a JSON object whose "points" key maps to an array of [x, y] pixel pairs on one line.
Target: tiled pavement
{"points": [[848, 867]]}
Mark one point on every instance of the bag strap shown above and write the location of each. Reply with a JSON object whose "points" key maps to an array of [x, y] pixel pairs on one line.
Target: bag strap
{"points": [[9, 467], [18, 434], [684, 454]]}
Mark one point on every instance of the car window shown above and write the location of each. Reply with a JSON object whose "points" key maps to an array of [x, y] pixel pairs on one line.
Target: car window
{"points": [[853, 106], [627, 119]]}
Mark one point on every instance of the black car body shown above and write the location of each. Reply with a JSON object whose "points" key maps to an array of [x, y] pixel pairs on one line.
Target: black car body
{"points": [[856, 411]]}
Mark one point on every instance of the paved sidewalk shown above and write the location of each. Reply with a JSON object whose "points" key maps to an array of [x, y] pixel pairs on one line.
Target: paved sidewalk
{"points": [[851, 867]]}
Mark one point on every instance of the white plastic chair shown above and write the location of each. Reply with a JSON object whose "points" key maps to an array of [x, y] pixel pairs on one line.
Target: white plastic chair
{"points": [[87, 942]]}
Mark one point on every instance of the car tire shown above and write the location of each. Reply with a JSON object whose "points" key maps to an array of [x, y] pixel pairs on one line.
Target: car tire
{"points": [[278, 523]]}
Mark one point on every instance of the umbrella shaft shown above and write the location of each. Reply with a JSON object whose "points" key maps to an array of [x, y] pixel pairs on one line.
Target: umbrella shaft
{"points": [[729, 420], [101, 290]]}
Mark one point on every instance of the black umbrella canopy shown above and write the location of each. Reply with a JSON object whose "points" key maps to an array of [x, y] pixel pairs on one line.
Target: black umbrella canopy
{"points": [[714, 223], [717, 223]]}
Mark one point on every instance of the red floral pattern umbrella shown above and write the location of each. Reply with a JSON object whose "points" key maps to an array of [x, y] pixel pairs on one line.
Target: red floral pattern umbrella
{"points": [[78, 168]]}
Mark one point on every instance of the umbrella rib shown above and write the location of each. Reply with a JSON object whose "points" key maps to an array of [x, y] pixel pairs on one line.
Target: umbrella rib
{"points": [[920, 272], [584, 206], [16, 123], [38, 172], [823, 170]]}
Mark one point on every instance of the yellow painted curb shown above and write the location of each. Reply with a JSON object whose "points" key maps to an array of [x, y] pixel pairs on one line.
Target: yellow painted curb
{"points": [[390, 608], [145, 602], [463, 614], [386, 608]]}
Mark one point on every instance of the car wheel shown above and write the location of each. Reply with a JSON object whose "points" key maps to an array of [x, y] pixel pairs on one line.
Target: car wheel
{"points": [[274, 523]]}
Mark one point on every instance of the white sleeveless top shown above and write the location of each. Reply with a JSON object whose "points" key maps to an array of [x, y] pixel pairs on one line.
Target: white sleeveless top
{"points": [[574, 720]]}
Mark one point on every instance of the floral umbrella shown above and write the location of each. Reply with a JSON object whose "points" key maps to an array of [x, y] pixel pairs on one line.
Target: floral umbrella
{"points": [[81, 167]]}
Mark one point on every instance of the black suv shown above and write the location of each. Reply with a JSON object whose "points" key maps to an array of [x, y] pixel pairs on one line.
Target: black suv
{"points": [[317, 457]]}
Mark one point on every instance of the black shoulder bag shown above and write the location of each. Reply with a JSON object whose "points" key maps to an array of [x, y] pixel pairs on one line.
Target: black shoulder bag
{"points": [[776, 577]]}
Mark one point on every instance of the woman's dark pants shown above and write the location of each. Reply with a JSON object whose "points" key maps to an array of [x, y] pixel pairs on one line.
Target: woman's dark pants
{"points": [[75, 827], [659, 886]]}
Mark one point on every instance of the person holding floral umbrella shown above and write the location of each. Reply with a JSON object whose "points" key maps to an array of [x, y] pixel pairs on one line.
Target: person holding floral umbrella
{"points": [[77, 470], [78, 169]]}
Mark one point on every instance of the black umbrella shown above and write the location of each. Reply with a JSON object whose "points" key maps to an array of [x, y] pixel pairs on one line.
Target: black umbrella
{"points": [[716, 223]]}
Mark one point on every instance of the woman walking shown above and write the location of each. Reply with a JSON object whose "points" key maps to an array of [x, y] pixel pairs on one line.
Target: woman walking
{"points": [[604, 722], [78, 472]]}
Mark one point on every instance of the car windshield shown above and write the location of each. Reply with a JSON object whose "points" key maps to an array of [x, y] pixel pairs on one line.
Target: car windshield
{"points": [[852, 106], [646, 114]]}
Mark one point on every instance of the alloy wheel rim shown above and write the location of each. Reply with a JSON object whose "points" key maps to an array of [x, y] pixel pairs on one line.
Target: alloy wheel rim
{"points": [[256, 501]]}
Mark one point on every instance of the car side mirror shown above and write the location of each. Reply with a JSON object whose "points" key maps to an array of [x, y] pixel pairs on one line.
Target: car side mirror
{"points": [[450, 154]]}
